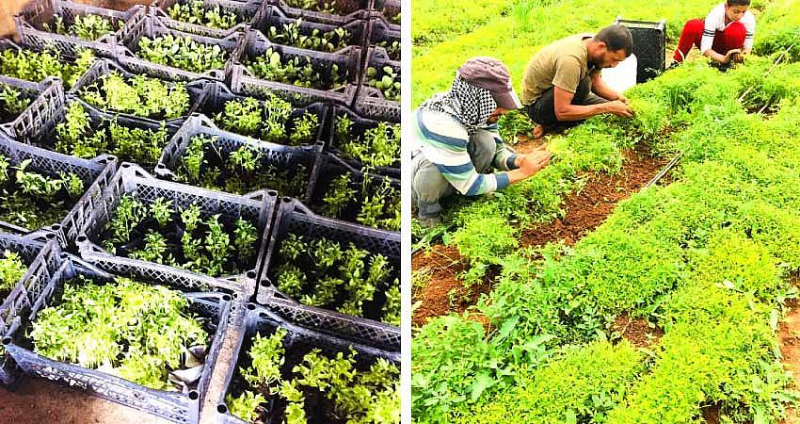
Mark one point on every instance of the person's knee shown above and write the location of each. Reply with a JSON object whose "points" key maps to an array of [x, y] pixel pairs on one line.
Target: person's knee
{"points": [[429, 185], [735, 33], [482, 148]]}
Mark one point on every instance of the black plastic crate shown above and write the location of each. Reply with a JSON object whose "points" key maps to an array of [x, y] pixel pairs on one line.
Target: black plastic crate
{"points": [[370, 102], [103, 67], [344, 11], [294, 218], [40, 112], [246, 9], [300, 339], [216, 309], [42, 255], [649, 46], [44, 134], [27, 89], [254, 44], [216, 95], [95, 174], [270, 154], [383, 35], [274, 16], [359, 127], [35, 25], [389, 11], [328, 169], [147, 25], [257, 207]]}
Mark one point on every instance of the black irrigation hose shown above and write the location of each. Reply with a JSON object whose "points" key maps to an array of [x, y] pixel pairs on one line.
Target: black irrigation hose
{"points": [[664, 171]]}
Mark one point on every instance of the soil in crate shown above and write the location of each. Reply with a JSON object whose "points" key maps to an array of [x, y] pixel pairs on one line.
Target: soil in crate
{"points": [[300, 362], [33, 200], [146, 334], [216, 245], [240, 171], [375, 203], [13, 102], [140, 96], [338, 276]]}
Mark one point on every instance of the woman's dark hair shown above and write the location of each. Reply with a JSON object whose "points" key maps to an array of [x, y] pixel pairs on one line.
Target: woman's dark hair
{"points": [[738, 3]]}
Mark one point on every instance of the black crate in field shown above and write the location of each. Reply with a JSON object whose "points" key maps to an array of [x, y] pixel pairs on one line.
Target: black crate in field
{"points": [[649, 46], [298, 341], [40, 256], [133, 182], [53, 22], [285, 169], [213, 310], [295, 220], [95, 175], [228, 15]]}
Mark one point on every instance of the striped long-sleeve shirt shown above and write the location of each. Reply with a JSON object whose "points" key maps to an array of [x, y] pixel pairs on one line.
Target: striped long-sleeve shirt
{"points": [[443, 141], [715, 21]]}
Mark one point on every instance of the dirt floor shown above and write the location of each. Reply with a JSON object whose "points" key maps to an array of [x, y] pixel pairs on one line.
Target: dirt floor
{"points": [[585, 210]]}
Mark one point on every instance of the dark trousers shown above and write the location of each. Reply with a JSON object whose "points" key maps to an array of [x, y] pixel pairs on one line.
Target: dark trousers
{"points": [[543, 110]]}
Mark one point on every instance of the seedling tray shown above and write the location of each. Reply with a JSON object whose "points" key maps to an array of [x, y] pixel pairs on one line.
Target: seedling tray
{"points": [[180, 407], [27, 89], [247, 9], [274, 16], [383, 32], [330, 167], [33, 21], [95, 174], [254, 44], [147, 25], [270, 154], [298, 341], [370, 101], [345, 11], [132, 180], [294, 218], [104, 67], [360, 125], [217, 95], [41, 255]]}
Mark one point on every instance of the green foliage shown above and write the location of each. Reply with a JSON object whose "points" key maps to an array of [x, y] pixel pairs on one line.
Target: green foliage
{"points": [[36, 66], [322, 6], [85, 27], [13, 101], [378, 146], [387, 80], [483, 242], [245, 405], [378, 206], [182, 52], [270, 120], [140, 96], [195, 12], [393, 49], [129, 329], [12, 269], [77, 135], [292, 34], [295, 71], [514, 123]]}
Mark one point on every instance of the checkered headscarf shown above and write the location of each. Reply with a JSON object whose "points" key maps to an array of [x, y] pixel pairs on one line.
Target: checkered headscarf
{"points": [[471, 105]]}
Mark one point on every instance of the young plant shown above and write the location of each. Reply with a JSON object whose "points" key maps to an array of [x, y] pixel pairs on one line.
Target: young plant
{"points": [[245, 237], [245, 405], [36, 66], [393, 48], [12, 269], [379, 146], [140, 96], [338, 196], [13, 101], [162, 211], [85, 27], [195, 12], [323, 6], [295, 71], [387, 81], [292, 34], [182, 52]]}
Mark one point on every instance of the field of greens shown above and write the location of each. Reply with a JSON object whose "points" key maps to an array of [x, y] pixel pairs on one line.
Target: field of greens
{"points": [[703, 264]]}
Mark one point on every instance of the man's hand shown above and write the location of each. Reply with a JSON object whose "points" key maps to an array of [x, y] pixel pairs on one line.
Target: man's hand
{"points": [[619, 108], [732, 54], [534, 162], [623, 99]]}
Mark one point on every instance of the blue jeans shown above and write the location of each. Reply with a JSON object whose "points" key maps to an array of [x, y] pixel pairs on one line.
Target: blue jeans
{"points": [[428, 184]]}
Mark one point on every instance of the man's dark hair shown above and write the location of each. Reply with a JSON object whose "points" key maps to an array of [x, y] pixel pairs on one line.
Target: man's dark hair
{"points": [[616, 37], [738, 3]]}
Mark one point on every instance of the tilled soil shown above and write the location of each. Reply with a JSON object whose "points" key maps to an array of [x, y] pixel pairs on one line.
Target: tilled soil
{"points": [[585, 210], [637, 331], [789, 336]]}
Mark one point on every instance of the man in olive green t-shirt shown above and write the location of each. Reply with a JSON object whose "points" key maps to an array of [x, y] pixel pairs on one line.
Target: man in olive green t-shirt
{"points": [[563, 82]]}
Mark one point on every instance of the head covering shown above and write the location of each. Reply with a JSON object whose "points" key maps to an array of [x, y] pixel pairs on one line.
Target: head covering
{"points": [[470, 105], [493, 75]]}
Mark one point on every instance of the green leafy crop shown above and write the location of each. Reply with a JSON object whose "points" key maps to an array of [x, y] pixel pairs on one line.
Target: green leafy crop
{"points": [[292, 34], [85, 27], [36, 66], [297, 71], [141, 96], [12, 268], [195, 12], [182, 52], [379, 146], [387, 80]]}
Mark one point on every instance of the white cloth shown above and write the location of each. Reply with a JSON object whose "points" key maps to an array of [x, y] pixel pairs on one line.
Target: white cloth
{"points": [[715, 21]]}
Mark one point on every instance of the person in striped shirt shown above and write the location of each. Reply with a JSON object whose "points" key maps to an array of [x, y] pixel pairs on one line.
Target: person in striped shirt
{"points": [[725, 35], [456, 145]]}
